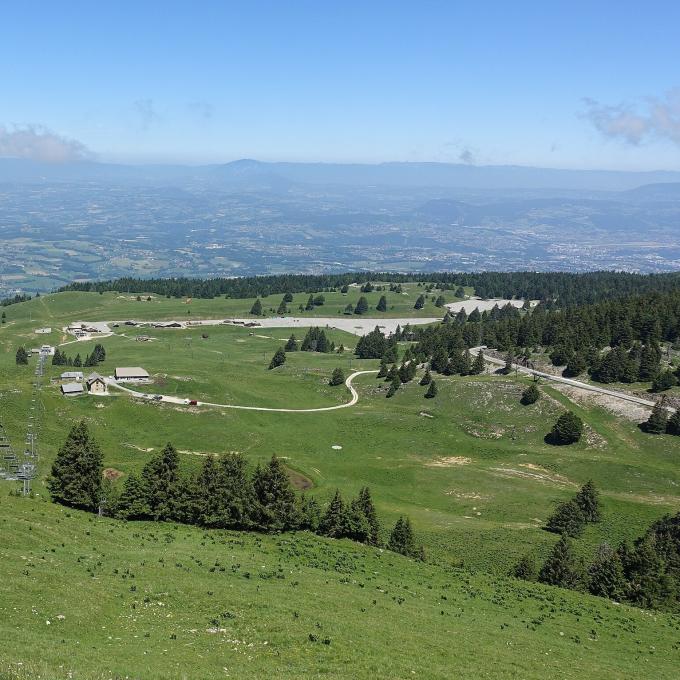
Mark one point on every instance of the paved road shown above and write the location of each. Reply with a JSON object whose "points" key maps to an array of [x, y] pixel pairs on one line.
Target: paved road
{"points": [[568, 381], [177, 400]]}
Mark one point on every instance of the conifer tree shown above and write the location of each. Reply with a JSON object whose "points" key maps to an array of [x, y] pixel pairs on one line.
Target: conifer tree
{"points": [[334, 520], [562, 568], [568, 518], [366, 503], [649, 584], [431, 390], [673, 426], [338, 378], [239, 503], [427, 378], [76, 477], [478, 365], [160, 479], [361, 306], [383, 369], [657, 421], [132, 502], [278, 359], [78, 362], [256, 309], [440, 301], [420, 302], [310, 303], [401, 539], [22, 357], [287, 298], [394, 385], [291, 345], [606, 577], [382, 304], [277, 505], [664, 381], [309, 513], [567, 430], [575, 366], [588, 499], [530, 395], [282, 308]]}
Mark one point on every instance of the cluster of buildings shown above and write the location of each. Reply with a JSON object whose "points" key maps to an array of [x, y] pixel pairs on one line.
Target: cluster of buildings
{"points": [[74, 383]]}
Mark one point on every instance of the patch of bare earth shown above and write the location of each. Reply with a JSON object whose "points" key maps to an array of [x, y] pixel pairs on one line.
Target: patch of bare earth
{"points": [[298, 480], [450, 461], [619, 407], [138, 448], [112, 474], [535, 473]]}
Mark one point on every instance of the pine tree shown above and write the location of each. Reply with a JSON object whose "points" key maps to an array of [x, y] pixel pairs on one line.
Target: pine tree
{"points": [[281, 309], [420, 302], [361, 306], [394, 386], [673, 426], [366, 503], [402, 540], [530, 395], [478, 365], [431, 390], [427, 378], [76, 478], [383, 369], [440, 301], [132, 503], [278, 359], [256, 309], [562, 567], [382, 304], [21, 357], [334, 520], [160, 479], [588, 499], [310, 303], [291, 345], [338, 378], [277, 505], [658, 420], [567, 430], [606, 577], [568, 518]]}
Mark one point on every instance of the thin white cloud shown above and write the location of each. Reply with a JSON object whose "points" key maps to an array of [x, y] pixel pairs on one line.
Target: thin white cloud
{"points": [[38, 143], [658, 118]]}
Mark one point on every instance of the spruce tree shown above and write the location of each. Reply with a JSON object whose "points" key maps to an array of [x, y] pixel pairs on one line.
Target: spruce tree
{"points": [[562, 568], [281, 309], [338, 378], [361, 306], [291, 345], [427, 378], [310, 303], [606, 577], [401, 539], [382, 304], [160, 479], [366, 503], [575, 366], [478, 365], [649, 583], [568, 518], [530, 395], [420, 302], [76, 477], [431, 390], [673, 425], [334, 521], [567, 430], [383, 369], [277, 505], [21, 357], [657, 421], [394, 386], [239, 503], [278, 359], [132, 503], [664, 381], [588, 499], [256, 309], [78, 362]]}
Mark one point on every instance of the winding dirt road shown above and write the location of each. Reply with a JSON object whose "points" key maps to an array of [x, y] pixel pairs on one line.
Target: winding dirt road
{"points": [[184, 402]]}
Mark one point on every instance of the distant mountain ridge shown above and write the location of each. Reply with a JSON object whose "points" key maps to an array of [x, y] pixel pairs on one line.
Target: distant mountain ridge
{"points": [[279, 176]]}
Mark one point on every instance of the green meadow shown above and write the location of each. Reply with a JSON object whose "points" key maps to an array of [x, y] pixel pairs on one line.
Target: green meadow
{"points": [[470, 468]]}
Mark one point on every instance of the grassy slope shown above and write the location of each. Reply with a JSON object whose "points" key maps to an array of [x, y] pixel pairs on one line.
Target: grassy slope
{"points": [[485, 512], [140, 600]]}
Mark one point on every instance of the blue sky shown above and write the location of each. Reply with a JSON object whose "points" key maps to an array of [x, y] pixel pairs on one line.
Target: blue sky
{"points": [[560, 84]]}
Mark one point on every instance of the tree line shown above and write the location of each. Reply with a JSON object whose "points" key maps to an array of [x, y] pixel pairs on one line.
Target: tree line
{"points": [[97, 356], [645, 574], [225, 493], [560, 288]]}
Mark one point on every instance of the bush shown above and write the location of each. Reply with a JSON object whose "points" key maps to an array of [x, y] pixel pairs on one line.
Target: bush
{"points": [[530, 395]]}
